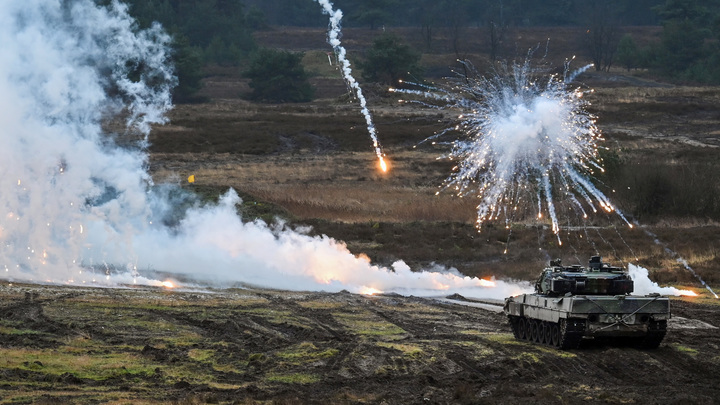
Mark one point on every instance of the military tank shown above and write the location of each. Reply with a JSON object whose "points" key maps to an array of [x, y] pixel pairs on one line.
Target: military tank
{"points": [[574, 302]]}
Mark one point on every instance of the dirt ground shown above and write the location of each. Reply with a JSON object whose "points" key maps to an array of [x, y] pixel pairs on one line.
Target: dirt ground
{"points": [[142, 345]]}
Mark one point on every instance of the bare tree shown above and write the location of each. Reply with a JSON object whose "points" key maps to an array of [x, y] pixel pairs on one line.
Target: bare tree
{"points": [[496, 33], [603, 35]]}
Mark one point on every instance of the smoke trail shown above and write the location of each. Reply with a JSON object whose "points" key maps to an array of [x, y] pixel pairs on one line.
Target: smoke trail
{"points": [[334, 40], [75, 207], [680, 260], [522, 137]]}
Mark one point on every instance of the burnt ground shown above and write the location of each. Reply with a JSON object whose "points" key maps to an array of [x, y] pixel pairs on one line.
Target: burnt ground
{"points": [[144, 345]]}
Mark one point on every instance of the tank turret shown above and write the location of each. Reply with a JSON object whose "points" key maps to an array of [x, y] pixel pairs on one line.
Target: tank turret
{"points": [[597, 279]]}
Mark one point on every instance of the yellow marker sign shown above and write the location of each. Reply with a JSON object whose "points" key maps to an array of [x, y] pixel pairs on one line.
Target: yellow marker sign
{"points": [[191, 179]]}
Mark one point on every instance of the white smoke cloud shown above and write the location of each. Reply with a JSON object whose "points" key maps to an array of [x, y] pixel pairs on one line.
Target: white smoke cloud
{"points": [[643, 284], [77, 208]]}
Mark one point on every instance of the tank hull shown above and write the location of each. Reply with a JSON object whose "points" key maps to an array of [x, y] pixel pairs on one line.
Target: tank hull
{"points": [[563, 321]]}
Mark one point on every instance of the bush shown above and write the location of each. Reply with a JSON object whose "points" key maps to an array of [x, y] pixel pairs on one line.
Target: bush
{"points": [[278, 76], [388, 60]]}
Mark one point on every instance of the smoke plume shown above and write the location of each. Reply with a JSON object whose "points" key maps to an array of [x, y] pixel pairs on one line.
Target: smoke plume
{"points": [[76, 207], [643, 284]]}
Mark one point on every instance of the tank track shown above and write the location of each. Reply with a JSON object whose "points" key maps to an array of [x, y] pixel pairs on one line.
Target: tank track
{"points": [[568, 333], [565, 334], [655, 334]]}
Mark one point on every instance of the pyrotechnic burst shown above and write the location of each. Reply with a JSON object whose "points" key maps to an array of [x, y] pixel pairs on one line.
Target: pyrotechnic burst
{"points": [[525, 140]]}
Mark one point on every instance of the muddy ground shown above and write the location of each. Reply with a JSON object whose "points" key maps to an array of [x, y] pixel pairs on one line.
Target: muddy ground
{"points": [[144, 345]]}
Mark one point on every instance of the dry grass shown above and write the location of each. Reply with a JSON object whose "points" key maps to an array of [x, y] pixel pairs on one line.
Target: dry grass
{"points": [[344, 187]]}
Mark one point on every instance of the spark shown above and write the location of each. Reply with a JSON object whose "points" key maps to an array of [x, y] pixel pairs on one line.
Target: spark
{"points": [[523, 137]]}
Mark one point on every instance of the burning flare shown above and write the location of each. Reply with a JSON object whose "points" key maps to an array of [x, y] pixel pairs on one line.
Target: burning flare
{"points": [[383, 165], [369, 291]]}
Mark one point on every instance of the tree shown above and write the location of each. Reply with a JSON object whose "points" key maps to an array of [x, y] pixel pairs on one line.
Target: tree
{"points": [[628, 52], [373, 13], [456, 14], [685, 30], [603, 34], [278, 76], [188, 68], [388, 60], [425, 13], [256, 18]]}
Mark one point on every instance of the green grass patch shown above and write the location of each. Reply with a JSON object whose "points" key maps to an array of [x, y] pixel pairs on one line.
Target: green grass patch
{"points": [[294, 378], [14, 331], [362, 325], [503, 338], [183, 340], [684, 349], [527, 357], [407, 349], [305, 352], [201, 354], [60, 361], [479, 349], [321, 304]]}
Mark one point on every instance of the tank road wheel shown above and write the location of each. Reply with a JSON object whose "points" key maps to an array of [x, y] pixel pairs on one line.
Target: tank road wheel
{"points": [[554, 334], [548, 333], [522, 328], [543, 332], [534, 335]]}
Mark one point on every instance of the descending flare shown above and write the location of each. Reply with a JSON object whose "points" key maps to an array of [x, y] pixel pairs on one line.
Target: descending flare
{"points": [[383, 165], [341, 53]]}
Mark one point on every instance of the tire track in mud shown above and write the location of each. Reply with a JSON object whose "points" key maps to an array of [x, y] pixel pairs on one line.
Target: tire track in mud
{"points": [[322, 319]]}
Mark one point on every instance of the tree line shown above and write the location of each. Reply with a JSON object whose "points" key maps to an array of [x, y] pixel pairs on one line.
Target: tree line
{"points": [[689, 48], [418, 13], [220, 32]]}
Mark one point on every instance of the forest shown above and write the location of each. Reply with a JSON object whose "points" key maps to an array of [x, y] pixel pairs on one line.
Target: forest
{"points": [[220, 32]]}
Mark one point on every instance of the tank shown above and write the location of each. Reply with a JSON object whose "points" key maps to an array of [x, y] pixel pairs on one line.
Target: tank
{"points": [[574, 303]]}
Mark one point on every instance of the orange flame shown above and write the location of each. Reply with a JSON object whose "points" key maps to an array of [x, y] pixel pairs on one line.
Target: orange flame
{"points": [[383, 165], [369, 291], [688, 293], [486, 283], [168, 284]]}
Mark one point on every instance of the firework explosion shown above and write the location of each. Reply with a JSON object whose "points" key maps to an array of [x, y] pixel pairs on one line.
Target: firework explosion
{"points": [[525, 141]]}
